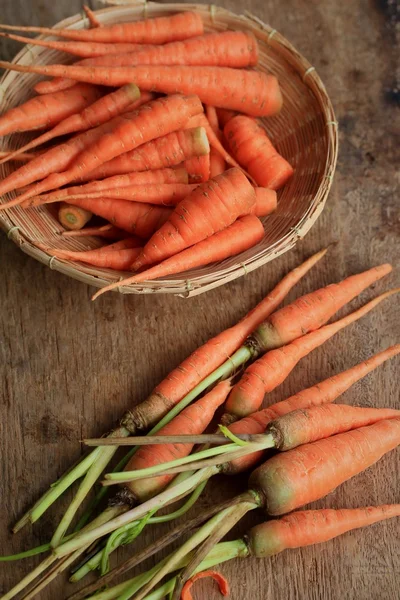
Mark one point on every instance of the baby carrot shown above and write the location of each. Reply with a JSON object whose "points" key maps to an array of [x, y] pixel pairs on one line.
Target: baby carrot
{"points": [[212, 206]]}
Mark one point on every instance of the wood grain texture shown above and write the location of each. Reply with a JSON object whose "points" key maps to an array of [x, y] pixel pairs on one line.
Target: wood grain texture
{"points": [[69, 367]]}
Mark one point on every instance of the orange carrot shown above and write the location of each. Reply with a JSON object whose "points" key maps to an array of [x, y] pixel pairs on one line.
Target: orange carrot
{"points": [[212, 206], [198, 168], [252, 148], [23, 157], [135, 179], [81, 49], [129, 131], [220, 579], [43, 112], [252, 92], [101, 111], [266, 202], [241, 235], [269, 371], [193, 419], [307, 473], [118, 259], [133, 217], [224, 116], [166, 151], [73, 217], [150, 31], [104, 231], [93, 20], [217, 161], [323, 393]]}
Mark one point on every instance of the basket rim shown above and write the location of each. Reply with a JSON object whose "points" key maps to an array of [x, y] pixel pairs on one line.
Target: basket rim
{"points": [[192, 287]]}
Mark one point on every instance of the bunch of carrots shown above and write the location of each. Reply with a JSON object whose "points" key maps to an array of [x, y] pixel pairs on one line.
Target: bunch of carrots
{"points": [[316, 446], [160, 140]]}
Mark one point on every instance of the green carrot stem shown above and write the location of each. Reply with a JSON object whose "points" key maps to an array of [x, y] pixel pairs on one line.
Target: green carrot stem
{"points": [[21, 585], [163, 499], [31, 552]]}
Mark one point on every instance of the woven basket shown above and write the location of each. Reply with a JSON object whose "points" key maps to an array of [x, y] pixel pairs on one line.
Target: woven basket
{"points": [[305, 132]]}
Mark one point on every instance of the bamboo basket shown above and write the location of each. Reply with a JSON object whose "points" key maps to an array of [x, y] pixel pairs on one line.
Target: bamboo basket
{"points": [[305, 132]]}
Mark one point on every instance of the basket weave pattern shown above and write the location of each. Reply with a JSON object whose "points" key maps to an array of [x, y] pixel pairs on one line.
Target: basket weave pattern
{"points": [[305, 133]]}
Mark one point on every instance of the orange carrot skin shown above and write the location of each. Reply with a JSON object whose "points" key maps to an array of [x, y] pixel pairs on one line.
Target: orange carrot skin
{"points": [[307, 527], [134, 217], [224, 116], [104, 231], [266, 202], [313, 310], [213, 353], [220, 579], [166, 151], [304, 426], [198, 168], [307, 473], [252, 92], [43, 112], [116, 259], [212, 206], [252, 148], [193, 419]]}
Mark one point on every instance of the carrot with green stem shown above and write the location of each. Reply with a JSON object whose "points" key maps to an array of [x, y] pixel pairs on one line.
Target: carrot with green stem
{"points": [[42, 112], [210, 207], [252, 92], [128, 131], [241, 235], [102, 110]]}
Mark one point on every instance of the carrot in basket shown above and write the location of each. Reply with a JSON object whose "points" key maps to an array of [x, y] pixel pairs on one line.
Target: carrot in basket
{"points": [[23, 157], [166, 151], [217, 161], [107, 231], [93, 20], [134, 217], [241, 235], [252, 148], [224, 116], [101, 111], [266, 202], [43, 112], [198, 168], [252, 92], [114, 257], [212, 206], [81, 49], [73, 217], [159, 30], [129, 131]]}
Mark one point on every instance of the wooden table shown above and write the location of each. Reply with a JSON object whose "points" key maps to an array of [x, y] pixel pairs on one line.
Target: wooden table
{"points": [[69, 367]]}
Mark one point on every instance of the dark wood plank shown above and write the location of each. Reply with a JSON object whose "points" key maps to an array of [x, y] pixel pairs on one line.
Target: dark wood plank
{"points": [[70, 367]]}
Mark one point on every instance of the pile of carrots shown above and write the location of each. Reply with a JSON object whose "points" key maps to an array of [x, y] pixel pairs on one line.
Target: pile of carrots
{"points": [[172, 158], [316, 446]]}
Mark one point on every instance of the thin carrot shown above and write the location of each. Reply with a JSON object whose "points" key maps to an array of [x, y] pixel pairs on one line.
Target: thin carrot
{"points": [[166, 151], [23, 157], [93, 20], [134, 217], [150, 31], [241, 235], [212, 206], [118, 259], [198, 168], [73, 217], [194, 419], [101, 111], [43, 112], [220, 579], [129, 131], [252, 92], [252, 148], [136, 179], [266, 202], [81, 49], [217, 161], [269, 371], [107, 231]]}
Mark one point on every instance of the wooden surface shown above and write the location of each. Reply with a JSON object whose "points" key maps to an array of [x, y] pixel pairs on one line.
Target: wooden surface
{"points": [[69, 367]]}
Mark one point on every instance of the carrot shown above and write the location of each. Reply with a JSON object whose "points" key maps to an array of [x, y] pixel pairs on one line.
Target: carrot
{"points": [[101, 111], [73, 217], [129, 131], [150, 31], [269, 371], [266, 202], [43, 112], [194, 419], [81, 49], [253, 150], [118, 259], [220, 579], [198, 168], [135, 179], [241, 235], [134, 217], [93, 20], [225, 115], [212, 206], [166, 151], [252, 92], [217, 161], [104, 231], [23, 157], [302, 475]]}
